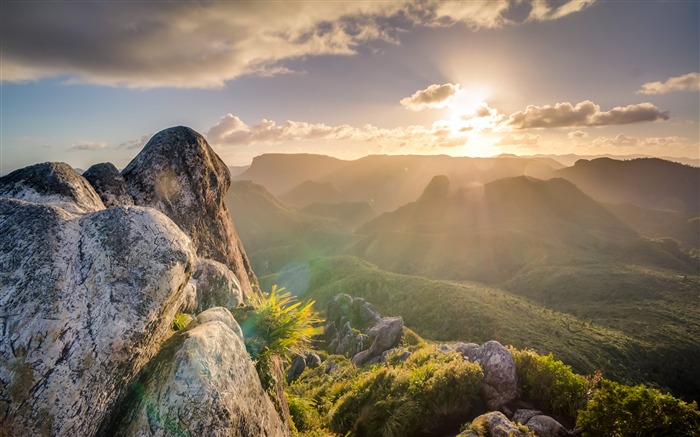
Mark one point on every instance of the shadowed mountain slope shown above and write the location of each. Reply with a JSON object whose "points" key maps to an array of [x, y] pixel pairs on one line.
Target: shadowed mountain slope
{"points": [[646, 182]]}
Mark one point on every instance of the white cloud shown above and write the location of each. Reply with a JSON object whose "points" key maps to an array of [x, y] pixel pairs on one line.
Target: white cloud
{"points": [[435, 96], [232, 131], [577, 134], [525, 140], [585, 113], [88, 145], [687, 82], [204, 44]]}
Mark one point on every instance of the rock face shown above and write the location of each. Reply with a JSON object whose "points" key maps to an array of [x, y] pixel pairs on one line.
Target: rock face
{"points": [[216, 285], [545, 426], [109, 184], [201, 383], [83, 298], [500, 378], [385, 334], [178, 174], [53, 183], [495, 424]]}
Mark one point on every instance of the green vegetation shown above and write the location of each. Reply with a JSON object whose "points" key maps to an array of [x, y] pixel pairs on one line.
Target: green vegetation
{"points": [[180, 321], [277, 325], [616, 410], [432, 393], [428, 391]]}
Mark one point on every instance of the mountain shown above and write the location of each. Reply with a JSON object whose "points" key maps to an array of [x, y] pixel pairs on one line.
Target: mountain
{"points": [[387, 181], [349, 215], [276, 234], [657, 223], [570, 159], [647, 182], [309, 192]]}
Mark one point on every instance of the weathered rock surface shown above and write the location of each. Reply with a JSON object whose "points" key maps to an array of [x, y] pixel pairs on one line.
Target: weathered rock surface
{"points": [[54, 183], [216, 285], [220, 314], [500, 378], [83, 300], [201, 383], [522, 415], [545, 426], [109, 184], [301, 362], [385, 334], [178, 174], [496, 424]]}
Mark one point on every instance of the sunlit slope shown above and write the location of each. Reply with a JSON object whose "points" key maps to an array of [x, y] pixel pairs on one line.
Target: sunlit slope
{"points": [[276, 234], [468, 311], [646, 182], [386, 181], [309, 192], [638, 343], [492, 232], [658, 223]]}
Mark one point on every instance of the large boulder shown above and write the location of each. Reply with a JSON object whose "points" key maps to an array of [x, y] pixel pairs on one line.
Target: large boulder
{"points": [[545, 426], [202, 383], [85, 301], [109, 184], [54, 183], [385, 335], [178, 174], [493, 424], [216, 285], [500, 378]]}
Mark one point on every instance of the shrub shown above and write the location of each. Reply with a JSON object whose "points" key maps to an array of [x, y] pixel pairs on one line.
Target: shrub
{"points": [[619, 410], [550, 384], [180, 321], [277, 325]]}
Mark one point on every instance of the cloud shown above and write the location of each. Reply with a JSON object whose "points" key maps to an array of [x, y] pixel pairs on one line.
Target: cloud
{"points": [[525, 140], [435, 96], [88, 145], [577, 134], [687, 82], [585, 113], [137, 143], [230, 130], [624, 141], [203, 44]]}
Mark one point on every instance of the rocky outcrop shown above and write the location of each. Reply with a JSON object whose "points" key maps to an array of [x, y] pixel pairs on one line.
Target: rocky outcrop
{"points": [[523, 415], [500, 378], [493, 424], [215, 285], [384, 335], [201, 383], [178, 174], [545, 426], [301, 362], [109, 184], [356, 330], [85, 300], [54, 183]]}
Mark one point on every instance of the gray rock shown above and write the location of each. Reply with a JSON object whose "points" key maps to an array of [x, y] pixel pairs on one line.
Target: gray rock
{"points": [[545, 426], [85, 300], [469, 351], [331, 367], [178, 174], [445, 348], [296, 368], [496, 424], [216, 285], [201, 383], [220, 314], [522, 415], [500, 378], [386, 334], [312, 360], [53, 183], [109, 184]]}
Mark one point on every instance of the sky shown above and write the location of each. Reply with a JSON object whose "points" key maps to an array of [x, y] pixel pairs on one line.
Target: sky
{"points": [[91, 81]]}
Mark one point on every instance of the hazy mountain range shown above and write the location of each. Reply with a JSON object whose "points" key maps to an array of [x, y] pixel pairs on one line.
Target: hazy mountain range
{"points": [[596, 262]]}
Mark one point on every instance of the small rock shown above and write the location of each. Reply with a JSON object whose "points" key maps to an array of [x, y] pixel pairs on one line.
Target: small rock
{"points": [[545, 426], [522, 416], [312, 360], [297, 368]]}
